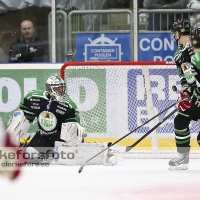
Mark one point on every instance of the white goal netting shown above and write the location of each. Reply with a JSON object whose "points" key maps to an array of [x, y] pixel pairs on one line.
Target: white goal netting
{"points": [[114, 98]]}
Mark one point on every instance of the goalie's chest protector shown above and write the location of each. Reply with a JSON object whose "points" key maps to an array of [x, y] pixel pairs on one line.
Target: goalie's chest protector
{"points": [[50, 117]]}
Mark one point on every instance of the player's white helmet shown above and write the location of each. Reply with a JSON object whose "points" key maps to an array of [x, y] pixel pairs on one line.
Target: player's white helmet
{"points": [[55, 85]]}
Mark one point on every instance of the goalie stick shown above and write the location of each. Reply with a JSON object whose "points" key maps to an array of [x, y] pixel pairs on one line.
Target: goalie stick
{"points": [[183, 99], [128, 148]]}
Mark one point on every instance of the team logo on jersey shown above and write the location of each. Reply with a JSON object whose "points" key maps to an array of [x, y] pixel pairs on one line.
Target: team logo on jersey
{"points": [[47, 120], [184, 67]]}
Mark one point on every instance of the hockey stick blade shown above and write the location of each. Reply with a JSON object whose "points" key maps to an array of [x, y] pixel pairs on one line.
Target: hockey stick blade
{"points": [[128, 148], [81, 168]]}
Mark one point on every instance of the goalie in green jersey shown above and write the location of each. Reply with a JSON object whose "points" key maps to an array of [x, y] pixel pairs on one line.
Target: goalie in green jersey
{"points": [[59, 129]]}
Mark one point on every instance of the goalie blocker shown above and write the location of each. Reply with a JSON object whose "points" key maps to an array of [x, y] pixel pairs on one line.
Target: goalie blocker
{"points": [[77, 155]]}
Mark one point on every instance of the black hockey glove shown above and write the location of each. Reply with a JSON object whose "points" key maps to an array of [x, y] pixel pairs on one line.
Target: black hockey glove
{"points": [[187, 89], [196, 96]]}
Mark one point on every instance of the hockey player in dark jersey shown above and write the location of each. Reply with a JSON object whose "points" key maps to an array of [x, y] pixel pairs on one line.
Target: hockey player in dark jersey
{"points": [[57, 119], [188, 110], [180, 31], [195, 68]]}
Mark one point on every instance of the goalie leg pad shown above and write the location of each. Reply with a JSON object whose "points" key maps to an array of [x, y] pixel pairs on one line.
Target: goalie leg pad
{"points": [[77, 155], [18, 127]]}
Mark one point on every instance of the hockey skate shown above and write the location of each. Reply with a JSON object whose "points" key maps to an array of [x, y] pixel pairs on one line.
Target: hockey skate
{"points": [[112, 160], [180, 162]]}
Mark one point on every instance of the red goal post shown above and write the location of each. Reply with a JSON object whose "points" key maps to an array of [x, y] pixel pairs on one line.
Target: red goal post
{"points": [[114, 98]]}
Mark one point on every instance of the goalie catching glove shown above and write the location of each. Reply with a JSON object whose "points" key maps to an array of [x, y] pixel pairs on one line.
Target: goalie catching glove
{"points": [[72, 133]]}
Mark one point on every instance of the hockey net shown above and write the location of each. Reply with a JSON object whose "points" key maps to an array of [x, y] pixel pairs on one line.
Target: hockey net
{"points": [[114, 98]]}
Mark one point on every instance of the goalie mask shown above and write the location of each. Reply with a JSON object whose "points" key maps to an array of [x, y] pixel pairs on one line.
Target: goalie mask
{"points": [[56, 87], [180, 27]]}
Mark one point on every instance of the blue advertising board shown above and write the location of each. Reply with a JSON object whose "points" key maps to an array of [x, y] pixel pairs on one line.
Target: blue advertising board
{"points": [[116, 47], [103, 47], [156, 47], [161, 98]]}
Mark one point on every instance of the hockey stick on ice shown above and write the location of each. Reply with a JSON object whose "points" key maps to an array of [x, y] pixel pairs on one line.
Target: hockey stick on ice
{"points": [[81, 168], [128, 148]]}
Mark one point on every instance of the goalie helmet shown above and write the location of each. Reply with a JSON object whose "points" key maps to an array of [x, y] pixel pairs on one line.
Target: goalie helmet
{"points": [[195, 37], [55, 85], [180, 26]]}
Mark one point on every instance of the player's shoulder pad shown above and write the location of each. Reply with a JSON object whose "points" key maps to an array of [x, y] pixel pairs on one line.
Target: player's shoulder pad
{"points": [[177, 54], [195, 60], [37, 94], [70, 103], [179, 50]]}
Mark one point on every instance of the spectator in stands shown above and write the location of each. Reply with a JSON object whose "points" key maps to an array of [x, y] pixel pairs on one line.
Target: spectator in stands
{"points": [[140, 3], [3, 51], [124, 4], [145, 3], [194, 18], [27, 48], [7, 37], [166, 19], [129, 3]]}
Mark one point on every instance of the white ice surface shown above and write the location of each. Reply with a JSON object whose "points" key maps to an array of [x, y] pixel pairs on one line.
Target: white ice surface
{"points": [[130, 179]]}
